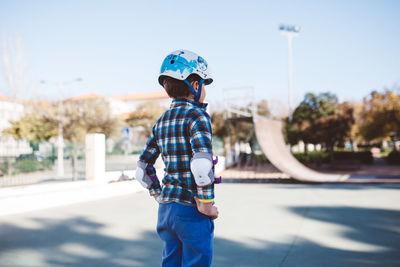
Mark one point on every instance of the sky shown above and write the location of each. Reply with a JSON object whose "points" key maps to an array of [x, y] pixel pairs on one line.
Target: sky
{"points": [[116, 47]]}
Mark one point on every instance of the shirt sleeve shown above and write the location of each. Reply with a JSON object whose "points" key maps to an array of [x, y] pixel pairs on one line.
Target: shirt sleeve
{"points": [[200, 135], [149, 155]]}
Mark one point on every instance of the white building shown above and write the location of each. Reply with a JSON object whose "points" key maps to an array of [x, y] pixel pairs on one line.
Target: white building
{"points": [[9, 147], [127, 103], [120, 105], [123, 104]]}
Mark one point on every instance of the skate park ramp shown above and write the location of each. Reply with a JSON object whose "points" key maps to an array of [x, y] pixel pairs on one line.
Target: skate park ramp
{"points": [[270, 138]]}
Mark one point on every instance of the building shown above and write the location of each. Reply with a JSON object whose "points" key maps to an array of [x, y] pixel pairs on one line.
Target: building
{"points": [[120, 105], [123, 104], [11, 111]]}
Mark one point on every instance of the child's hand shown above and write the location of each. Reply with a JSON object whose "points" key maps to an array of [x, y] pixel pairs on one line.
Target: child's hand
{"points": [[207, 209]]}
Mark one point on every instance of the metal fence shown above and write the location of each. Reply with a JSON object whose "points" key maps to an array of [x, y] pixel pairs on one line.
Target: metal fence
{"points": [[34, 165], [39, 164]]}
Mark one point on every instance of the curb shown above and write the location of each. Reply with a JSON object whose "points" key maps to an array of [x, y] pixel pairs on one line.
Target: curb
{"points": [[36, 197]]}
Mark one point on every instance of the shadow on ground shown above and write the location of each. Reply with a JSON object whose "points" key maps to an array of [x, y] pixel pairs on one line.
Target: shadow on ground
{"points": [[349, 187], [373, 237], [78, 242]]}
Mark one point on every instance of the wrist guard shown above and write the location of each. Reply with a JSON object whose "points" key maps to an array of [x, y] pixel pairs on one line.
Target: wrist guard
{"points": [[142, 177]]}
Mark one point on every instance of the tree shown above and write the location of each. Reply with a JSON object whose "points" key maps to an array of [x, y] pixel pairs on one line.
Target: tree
{"points": [[31, 127], [15, 67], [237, 128], [82, 117], [319, 119], [379, 116], [263, 108], [145, 116], [335, 128], [77, 118], [242, 130], [218, 124]]}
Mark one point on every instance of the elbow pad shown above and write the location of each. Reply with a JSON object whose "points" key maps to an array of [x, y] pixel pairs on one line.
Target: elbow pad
{"points": [[141, 175], [201, 166]]}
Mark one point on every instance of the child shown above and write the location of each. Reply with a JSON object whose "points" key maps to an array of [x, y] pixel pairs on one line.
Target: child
{"points": [[182, 135]]}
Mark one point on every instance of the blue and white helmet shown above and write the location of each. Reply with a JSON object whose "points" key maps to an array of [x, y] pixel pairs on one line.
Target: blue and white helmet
{"points": [[181, 63]]}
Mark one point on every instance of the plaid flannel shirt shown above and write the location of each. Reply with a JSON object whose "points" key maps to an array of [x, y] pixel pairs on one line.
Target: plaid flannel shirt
{"points": [[180, 132]]}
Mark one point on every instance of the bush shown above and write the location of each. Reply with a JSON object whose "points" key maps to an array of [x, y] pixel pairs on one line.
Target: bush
{"points": [[322, 157], [261, 158], [312, 157], [29, 165], [3, 167], [393, 158], [47, 164], [365, 157]]}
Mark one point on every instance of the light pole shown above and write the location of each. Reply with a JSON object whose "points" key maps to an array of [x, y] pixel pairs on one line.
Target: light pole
{"points": [[290, 31], [60, 139]]}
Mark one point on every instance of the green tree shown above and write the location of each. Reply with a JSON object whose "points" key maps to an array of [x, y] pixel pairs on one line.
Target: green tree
{"points": [[319, 119]]}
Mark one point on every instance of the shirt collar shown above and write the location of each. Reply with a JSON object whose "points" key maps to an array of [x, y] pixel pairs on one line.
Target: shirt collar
{"points": [[188, 102]]}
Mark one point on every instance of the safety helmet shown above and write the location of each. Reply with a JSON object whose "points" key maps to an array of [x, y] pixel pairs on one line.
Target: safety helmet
{"points": [[180, 64]]}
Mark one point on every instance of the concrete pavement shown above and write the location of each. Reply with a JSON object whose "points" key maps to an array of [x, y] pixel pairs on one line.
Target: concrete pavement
{"points": [[20, 199], [259, 225]]}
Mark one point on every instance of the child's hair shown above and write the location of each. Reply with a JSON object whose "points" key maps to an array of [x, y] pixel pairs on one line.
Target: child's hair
{"points": [[176, 88]]}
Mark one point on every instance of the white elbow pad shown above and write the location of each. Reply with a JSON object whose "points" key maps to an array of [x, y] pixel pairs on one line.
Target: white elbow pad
{"points": [[201, 167], [141, 175]]}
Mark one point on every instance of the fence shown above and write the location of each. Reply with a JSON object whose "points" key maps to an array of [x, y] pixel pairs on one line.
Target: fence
{"points": [[39, 163]]}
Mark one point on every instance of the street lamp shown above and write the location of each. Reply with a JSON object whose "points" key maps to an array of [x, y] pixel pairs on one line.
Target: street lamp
{"points": [[60, 139], [290, 31]]}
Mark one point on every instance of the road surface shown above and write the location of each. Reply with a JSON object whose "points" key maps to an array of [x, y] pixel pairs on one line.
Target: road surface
{"points": [[259, 225]]}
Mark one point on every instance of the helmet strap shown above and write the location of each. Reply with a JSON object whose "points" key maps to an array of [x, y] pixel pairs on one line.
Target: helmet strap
{"points": [[198, 94]]}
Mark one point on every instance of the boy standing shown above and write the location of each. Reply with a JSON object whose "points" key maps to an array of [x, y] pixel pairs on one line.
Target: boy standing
{"points": [[182, 135]]}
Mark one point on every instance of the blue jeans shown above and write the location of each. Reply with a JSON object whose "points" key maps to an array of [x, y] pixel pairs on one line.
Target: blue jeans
{"points": [[187, 235]]}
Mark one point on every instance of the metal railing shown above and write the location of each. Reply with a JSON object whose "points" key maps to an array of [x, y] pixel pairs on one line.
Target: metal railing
{"points": [[33, 167]]}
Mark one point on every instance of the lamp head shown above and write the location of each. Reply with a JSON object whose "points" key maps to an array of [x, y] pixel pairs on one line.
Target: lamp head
{"points": [[296, 28]]}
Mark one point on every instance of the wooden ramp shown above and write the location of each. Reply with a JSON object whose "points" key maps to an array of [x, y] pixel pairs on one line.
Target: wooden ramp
{"points": [[272, 143]]}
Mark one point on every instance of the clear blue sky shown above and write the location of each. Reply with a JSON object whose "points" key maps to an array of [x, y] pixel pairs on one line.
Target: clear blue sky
{"points": [[346, 47]]}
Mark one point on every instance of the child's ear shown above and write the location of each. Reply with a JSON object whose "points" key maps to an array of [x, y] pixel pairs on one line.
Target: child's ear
{"points": [[195, 85]]}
